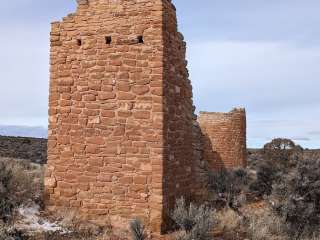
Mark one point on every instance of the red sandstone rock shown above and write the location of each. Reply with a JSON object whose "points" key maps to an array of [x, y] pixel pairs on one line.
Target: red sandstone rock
{"points": [[107, 95]]}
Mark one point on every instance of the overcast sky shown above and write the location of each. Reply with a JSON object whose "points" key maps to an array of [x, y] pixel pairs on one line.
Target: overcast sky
{"points": [[263, 55]]}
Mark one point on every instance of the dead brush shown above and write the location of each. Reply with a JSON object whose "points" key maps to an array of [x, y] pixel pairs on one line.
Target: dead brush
{"points": [[266, 226], [16, 187], [69, 218], [10, 233], [194, 222], [228, 221]]}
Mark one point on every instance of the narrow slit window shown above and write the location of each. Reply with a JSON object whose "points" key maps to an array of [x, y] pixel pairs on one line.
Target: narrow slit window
{"points": [[108, 40], [79, 42], [140, 39]]}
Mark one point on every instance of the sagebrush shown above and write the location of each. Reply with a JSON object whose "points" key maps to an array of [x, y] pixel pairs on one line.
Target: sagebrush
{"points": [[195, 222], [297, 199], [17, 187], [228, 187]]}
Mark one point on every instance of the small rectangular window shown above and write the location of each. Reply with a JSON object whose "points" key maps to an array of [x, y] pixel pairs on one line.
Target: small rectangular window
{"points": [[140, 39], [108, 40], [79, 42]]}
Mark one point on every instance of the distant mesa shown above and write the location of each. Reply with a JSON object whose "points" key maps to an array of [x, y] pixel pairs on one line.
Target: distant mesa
{"points": [[23, 131]]}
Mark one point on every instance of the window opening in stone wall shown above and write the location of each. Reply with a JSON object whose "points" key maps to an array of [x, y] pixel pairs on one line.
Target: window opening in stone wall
{"points": [[108, 40], [140, 39], [79, 42]]}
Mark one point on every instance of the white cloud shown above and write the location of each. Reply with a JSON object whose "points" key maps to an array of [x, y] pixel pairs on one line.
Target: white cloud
{"points": [[254, 73], [276, 81]]}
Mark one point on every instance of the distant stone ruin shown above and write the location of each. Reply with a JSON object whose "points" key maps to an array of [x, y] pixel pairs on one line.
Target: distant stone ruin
{"points": [[123, 138], [224, 138]]}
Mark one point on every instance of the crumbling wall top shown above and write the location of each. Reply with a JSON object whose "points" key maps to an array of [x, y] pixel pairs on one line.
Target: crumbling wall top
{"points": [[86, 2], [82, 2], [221, 115]]}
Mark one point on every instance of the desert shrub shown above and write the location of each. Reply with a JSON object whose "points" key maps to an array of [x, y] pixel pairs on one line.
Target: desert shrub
{"points": [[7, 233], [229, 223], [297, 199], [3, 233], [266, 175], [67, 236], [195, 222], [6, 180], [265, 226], [282, 153], [280, 157], [137, 230], [16, 188], [228, 186]]}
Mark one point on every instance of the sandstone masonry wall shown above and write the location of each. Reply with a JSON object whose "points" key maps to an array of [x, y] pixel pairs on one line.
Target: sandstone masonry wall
{"points": [[224, 138], [179, 163], [123, 138], [120, 113]]}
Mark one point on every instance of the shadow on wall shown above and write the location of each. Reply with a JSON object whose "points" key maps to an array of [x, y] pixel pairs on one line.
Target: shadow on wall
{"points": [[178, 114], [212, 157]]}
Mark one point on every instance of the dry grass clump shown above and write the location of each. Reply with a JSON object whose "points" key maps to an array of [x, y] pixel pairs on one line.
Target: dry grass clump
{"points": [[20, 183], [265, 226], [70, 219], [228, 222], [80, 229]]}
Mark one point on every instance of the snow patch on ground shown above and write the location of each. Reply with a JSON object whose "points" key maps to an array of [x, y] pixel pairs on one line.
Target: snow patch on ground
{"points": [[31, 220]]}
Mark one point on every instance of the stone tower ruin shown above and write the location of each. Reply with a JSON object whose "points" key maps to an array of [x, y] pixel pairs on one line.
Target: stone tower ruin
{"points": [[120, 114], [224, 138], [122, 140]]}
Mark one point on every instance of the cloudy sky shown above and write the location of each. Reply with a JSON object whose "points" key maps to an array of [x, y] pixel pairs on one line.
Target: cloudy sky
{"points": [[260, 54]]}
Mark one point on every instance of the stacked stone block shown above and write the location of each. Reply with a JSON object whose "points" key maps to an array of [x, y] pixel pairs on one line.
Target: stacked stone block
{"points": [[120, 113], [123, 138], [179, 177], [224, 138]]}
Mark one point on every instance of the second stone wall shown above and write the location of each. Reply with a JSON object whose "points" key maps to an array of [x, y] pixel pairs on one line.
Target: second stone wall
{"points": [[224, 138]]}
